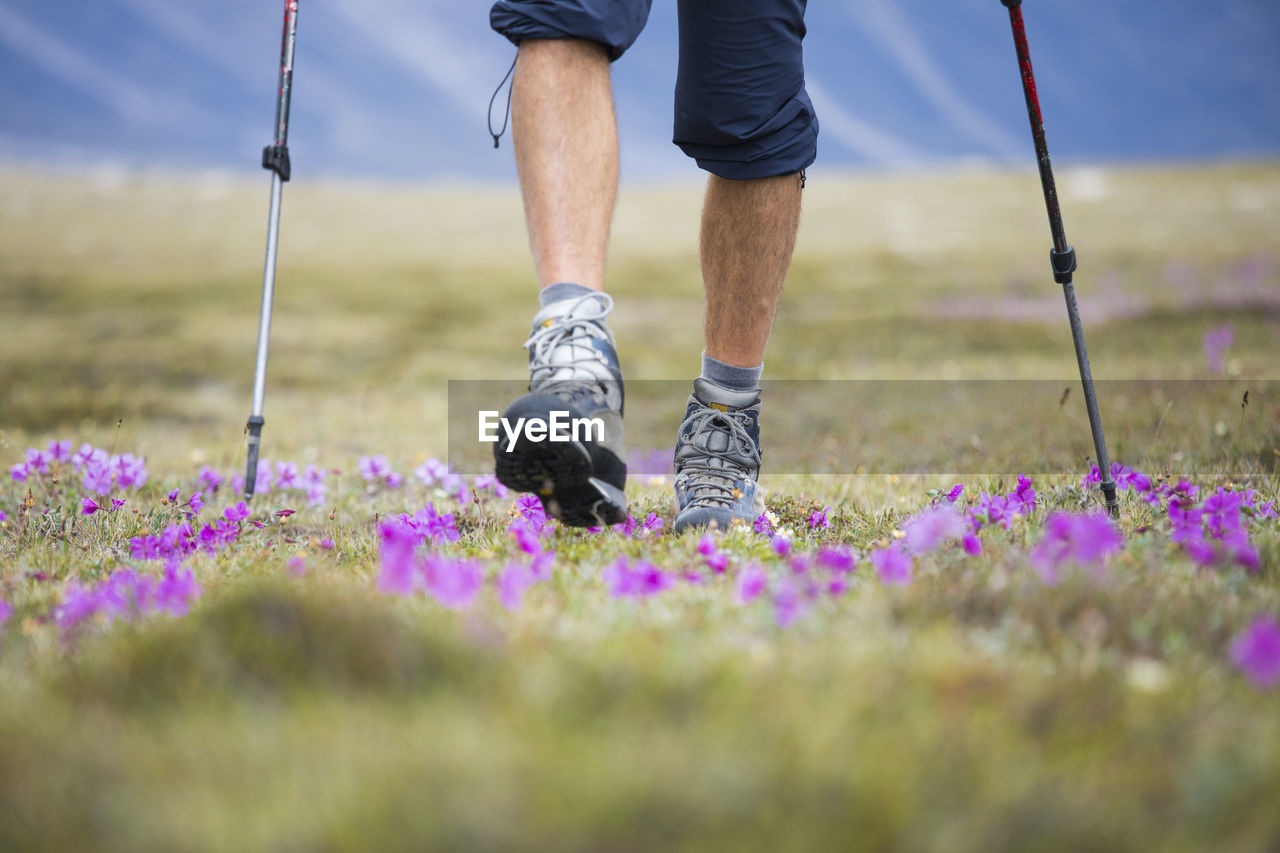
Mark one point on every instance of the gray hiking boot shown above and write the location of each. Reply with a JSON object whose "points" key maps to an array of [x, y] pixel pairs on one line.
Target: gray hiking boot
{"points": [[718, 458], [573, 374]]}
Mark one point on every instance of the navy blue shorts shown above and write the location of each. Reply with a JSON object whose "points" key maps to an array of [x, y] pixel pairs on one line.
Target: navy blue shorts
{"points": [[741, 110]]}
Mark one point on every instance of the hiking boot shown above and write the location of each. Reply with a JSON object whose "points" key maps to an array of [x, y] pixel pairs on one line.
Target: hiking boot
{"points": [[574, 373], [718, 458]]}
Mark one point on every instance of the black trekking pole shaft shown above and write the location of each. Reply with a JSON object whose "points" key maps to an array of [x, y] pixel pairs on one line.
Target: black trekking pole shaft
{"points": [[275, 157], [1062, 257]]}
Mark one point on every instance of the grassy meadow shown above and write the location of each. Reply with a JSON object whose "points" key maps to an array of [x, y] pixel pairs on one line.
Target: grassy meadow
{"points": [[298, 707]]}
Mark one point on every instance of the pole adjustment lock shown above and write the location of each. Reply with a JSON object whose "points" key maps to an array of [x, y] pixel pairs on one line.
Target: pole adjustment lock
{"points": [[1011, 3], [1064, 264], [275, 158]]}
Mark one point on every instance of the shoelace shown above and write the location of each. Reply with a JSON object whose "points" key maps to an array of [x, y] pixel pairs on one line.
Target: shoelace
{"points": [[572, 329], [708, 485]]}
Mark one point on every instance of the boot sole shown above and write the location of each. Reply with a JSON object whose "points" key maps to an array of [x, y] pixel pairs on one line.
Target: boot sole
{"points": [[562, 475]]}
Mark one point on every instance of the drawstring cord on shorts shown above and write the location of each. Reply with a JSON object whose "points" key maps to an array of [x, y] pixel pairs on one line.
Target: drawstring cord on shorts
{"points": [[506, 116]]}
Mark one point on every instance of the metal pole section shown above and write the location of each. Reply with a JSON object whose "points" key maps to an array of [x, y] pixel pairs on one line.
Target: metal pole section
{"points": [[275, 157], [1062, 257]]}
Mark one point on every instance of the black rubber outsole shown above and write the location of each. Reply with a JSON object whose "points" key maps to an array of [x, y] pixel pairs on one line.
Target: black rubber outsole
{"points": [[563, 477]]}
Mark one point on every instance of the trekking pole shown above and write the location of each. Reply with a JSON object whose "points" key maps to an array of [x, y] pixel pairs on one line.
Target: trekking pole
{"points": [[1062, 257], [275, 157]]}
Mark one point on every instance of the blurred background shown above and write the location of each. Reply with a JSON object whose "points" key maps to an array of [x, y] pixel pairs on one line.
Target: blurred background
{"points": [[133, 210], [399, 89]]}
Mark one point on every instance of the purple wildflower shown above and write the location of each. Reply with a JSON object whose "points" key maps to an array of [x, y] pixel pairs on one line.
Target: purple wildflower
{"points": [[1085, 540], [209, 479], [440, 528], [488, 482], [752, 581], [453, 583], [296, 566], [88, 506], [627, 527], [627, 580], [707, 545], [116, 503], [818, 518], [788, 605], [512, 583], [195, 503], [239, 512], [6, 611], [130, 471], [893, 564], [60, 451], [542, 564], [78, 604], [96, 478], [326, 544], [954, 494], [433, 471], [1023, 498], [399, 569], [837, 559], [781, 545], [652, 524], [178, 590], [1256, 652], [1216, 343], [526, 539], [932, 528], [972, 544], [376, 469], [1093, 478], [82, 456], [287, 476], [996, 509], [38, 461], [313, 481], [20, 472]]}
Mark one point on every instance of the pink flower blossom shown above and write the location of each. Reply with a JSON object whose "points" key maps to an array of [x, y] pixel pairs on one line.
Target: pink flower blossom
{"points": [[639, 580], [512, 583], [1256, 652], [60, 451], [88, 506], [763, 524], [893, 565], [932, 528], [208, 479], [1083, 540], [818, 518], [789, 602], [432, 471], [837, 559]]}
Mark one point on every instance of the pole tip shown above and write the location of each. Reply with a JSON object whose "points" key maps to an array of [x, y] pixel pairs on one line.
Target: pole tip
{"points": [[1109, 496]]}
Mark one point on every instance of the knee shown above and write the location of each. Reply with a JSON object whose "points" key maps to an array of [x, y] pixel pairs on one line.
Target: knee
{"points": [[750, 133], [614, 24]]}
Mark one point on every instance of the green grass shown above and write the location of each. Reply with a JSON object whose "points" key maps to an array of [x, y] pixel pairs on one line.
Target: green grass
{"points": [[974, 709]]}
